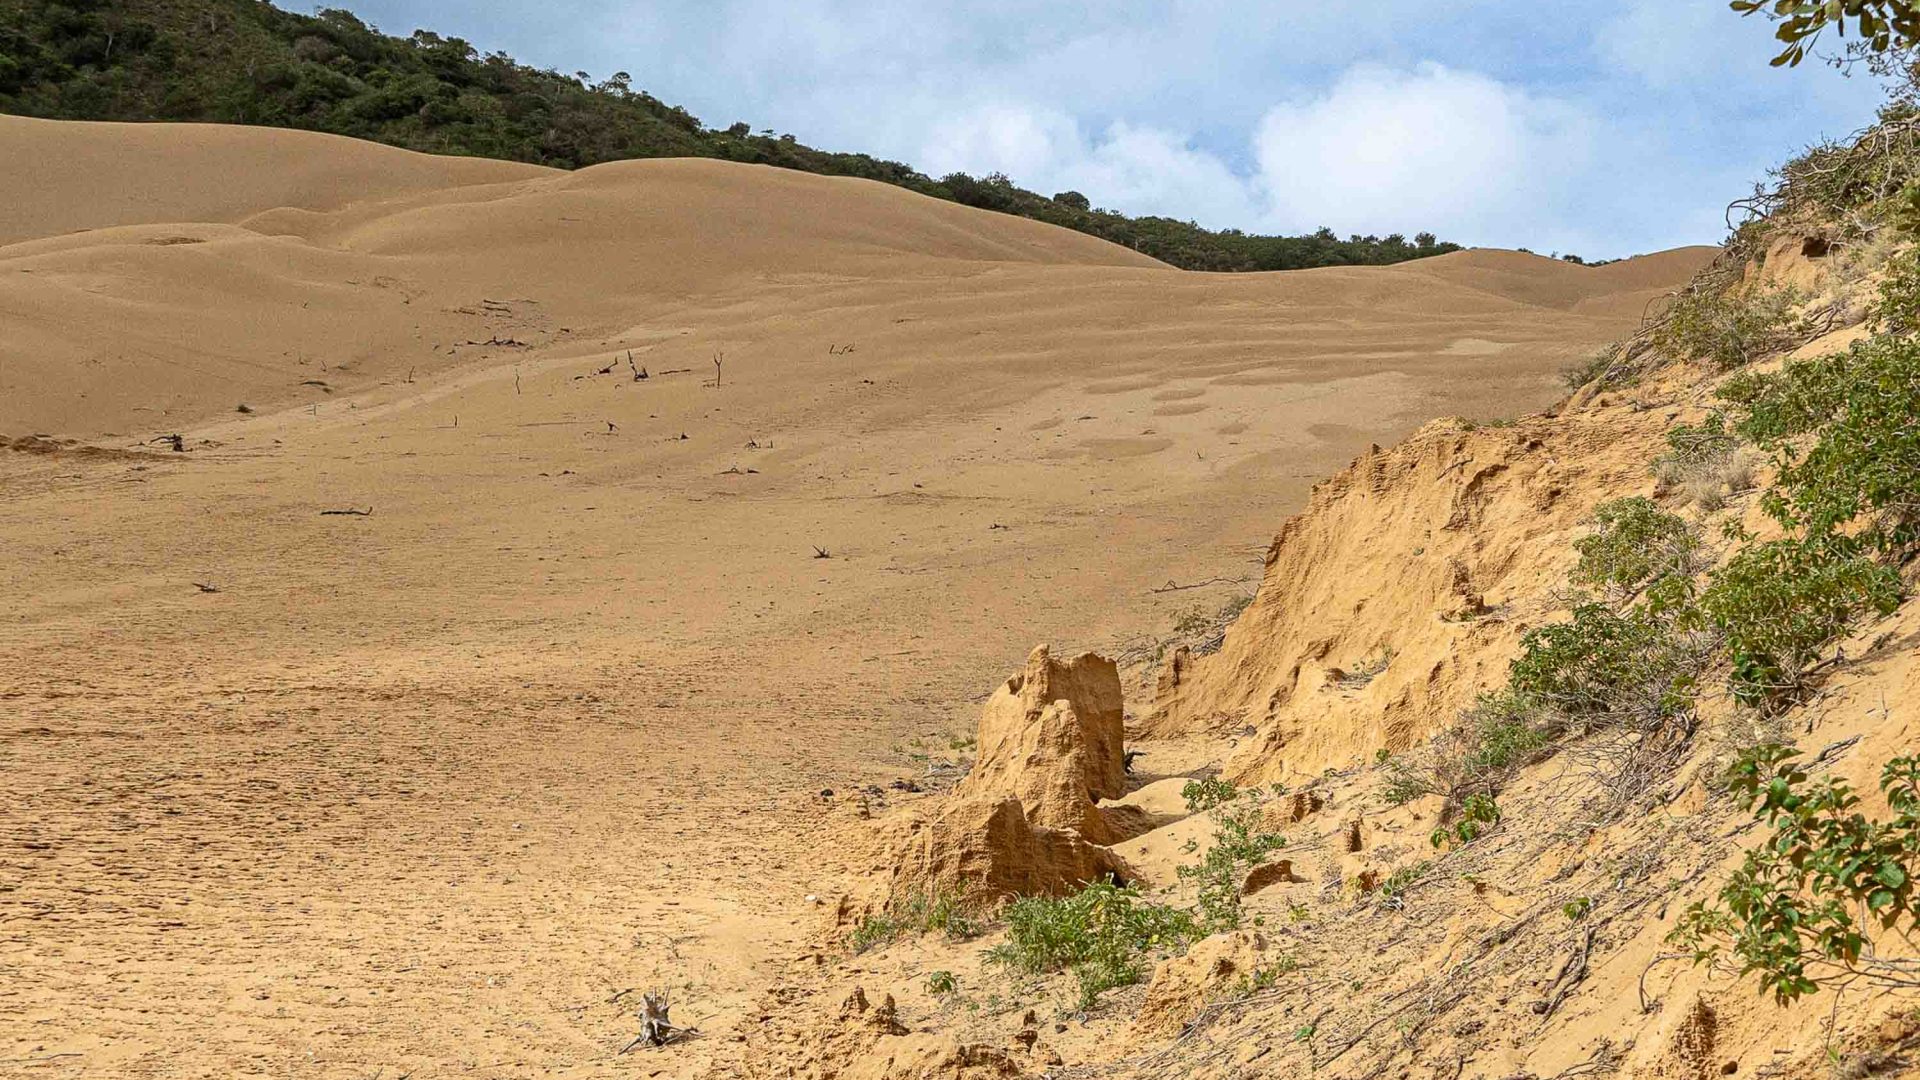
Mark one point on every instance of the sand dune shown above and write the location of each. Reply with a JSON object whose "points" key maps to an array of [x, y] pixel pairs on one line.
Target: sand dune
{"points": [[394, 795]]}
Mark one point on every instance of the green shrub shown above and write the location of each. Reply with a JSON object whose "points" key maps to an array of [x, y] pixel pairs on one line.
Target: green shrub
{"points": [[942, 982], [1606, 668], [1780, 604], [1633, 545], [1204, 795], [1101, 933], [1897, 309], [1801, 902], [1841, 431], [1730, 329]]}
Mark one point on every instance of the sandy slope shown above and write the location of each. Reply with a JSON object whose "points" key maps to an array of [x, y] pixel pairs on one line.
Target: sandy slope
{"points": [[424, 789]]}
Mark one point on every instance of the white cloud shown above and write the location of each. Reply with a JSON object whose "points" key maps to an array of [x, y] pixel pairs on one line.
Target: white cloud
{"points": [[1431, 148], [1144, 169], [1604, 128]]}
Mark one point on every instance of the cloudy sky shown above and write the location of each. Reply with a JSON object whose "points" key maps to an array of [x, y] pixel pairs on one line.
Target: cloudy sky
{"points": [[1602, 129]]}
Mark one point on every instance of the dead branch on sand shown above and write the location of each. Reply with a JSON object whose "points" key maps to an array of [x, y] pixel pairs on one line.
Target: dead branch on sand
{"points": [[1172, 586], [349, 512]]}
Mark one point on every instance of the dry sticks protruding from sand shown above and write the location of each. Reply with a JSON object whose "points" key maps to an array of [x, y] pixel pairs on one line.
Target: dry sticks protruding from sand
{"points": [[655, 1028]]}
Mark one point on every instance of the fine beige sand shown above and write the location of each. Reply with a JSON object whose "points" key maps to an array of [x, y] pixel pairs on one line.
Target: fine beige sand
{"points": [[424, 789]]}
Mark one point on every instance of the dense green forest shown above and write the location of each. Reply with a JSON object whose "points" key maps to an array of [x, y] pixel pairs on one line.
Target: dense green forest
{"points": [[248, 62]]}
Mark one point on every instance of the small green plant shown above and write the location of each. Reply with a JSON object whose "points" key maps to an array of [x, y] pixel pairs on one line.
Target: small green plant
{"points": [[1204, 795], [942, 982], [1398, 882], [1101, 933], [1477, 814], [1304, 1033], [875, 932], [1798, 910], [1367, 670], [1577, 908], [1634, 544], [1265, 977], [939, 912]]}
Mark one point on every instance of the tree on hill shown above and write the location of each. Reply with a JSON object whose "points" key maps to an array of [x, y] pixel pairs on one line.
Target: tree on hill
{"points": [[248, 62]]}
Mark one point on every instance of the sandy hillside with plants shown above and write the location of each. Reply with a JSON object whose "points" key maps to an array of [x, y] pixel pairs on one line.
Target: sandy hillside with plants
{"points": [[1576, 745]]}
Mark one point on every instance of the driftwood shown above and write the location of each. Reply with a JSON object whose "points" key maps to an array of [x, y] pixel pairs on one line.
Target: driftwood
{"points": [[349, 512], [655, 1028]]}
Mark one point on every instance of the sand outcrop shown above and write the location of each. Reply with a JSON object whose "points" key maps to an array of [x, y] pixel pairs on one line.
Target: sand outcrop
{"points": [[1185, 984], [987, 849], [865, 1040], [1352, 647], [1024, 821], [1052, 737]]}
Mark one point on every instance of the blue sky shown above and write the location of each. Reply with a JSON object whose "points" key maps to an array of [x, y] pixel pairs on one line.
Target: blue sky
{"points": [[1602, 129]]}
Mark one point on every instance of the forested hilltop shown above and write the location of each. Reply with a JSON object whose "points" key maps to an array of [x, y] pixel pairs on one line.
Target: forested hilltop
{"points": [[248, 62]]}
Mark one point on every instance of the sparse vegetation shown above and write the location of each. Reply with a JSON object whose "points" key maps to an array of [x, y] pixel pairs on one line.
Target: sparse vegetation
{"points": [[1240, 843], [1476, 756], [942, 913], [1394, 889], [1367, 670], [1727, 329]]}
